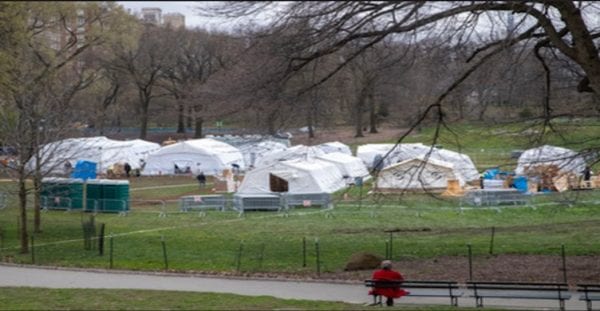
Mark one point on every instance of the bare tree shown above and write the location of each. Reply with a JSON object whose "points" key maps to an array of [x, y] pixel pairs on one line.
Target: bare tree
{"points": [[146, 64], [43, 77]]}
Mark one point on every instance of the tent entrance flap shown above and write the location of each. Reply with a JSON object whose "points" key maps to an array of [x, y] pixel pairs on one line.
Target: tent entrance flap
{"points": [[278, 184]]}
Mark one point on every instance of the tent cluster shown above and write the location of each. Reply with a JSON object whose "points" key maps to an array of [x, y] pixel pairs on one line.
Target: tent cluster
{"points": [[272, 166]]}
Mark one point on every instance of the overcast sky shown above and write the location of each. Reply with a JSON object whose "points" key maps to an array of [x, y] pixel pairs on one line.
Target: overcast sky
{"points": [[186, 8]]}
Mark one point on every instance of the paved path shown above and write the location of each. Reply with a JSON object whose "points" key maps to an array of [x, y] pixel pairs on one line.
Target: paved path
{"points": [[12, 275]]}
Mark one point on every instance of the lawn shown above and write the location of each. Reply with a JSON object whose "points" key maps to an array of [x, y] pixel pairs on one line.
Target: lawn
{"points": [[19, 298], [289, 243]]}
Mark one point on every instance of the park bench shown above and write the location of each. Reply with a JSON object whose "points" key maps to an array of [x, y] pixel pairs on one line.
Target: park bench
{"points": [[510, 290], [589, 293], [442, 289]]}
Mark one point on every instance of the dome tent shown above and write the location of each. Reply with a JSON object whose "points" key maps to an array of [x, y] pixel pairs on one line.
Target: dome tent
{"points": [[462, 163], [253, 152], [199, 155], [418, 174], [335, 146], [567, 161], [294, 176], [349, 166], [295, 152]]}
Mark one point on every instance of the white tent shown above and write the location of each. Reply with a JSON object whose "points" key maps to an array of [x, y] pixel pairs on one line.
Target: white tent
{"points": [[566, 160], [368, 152], [349, 166], [101, 150], [462, 163], [199, 155], [418, 174], [254, 151], [295, 176], [292, 153], [335, 146]]}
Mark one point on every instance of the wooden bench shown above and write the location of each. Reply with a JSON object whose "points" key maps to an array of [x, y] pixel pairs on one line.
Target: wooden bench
{"points": [[590, 292], [444, 289], [510, 290]]}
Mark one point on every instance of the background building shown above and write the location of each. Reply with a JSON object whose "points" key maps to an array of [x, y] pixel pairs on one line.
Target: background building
{"points": [[151, 15], [174, 20]]}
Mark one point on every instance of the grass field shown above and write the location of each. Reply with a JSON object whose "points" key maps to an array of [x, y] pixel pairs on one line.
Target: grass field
{"points": [[270, 242], [19, 298]]}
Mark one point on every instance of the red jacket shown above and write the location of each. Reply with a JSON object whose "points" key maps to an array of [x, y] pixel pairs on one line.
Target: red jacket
{"points": [[388, 275]]}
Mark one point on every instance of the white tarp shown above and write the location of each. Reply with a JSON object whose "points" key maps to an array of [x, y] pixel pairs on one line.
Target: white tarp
{"points": [[101, 150], [292, 153], [302, 176], [253, 152], [335, 146], [566, 160], [418, 174], [402, 152], [349, 166], [199, 155]]}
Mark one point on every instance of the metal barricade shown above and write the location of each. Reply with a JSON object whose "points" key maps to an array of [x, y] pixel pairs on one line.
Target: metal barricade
{"points": [[307, 200], [107, 206], [56, 203], [494, 197], [257, 202], [202, 202]]}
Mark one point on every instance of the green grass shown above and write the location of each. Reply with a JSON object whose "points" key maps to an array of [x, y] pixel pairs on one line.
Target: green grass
{"points": [[426, 227], [20, 298]]}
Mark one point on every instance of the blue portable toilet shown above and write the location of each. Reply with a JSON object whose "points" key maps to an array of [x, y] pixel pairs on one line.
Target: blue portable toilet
{"points": [[84, 170]]}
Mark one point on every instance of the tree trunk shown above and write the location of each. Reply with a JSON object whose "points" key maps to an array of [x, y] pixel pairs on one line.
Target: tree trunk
{"points": [[37, 187], [198, 127], [180, 118], [23, 212], [271, 118], [189, 117], [358, 120], [145, 103], [372, 114]]}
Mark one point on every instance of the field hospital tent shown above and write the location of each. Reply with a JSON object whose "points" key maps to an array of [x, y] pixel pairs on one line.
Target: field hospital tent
{"points": [[418, 174], [294, 176], [462, 163], [349, 166], [335, 146], [101, 150], [253, 152], [197, 155], [292, 153], [567, 161]]}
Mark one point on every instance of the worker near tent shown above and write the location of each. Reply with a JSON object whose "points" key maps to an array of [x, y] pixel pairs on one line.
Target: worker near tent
{"points": [[127, 169], [201, 180], [387, 274]]}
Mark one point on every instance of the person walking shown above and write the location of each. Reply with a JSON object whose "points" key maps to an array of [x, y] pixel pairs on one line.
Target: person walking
{"points": [[201, 180]]}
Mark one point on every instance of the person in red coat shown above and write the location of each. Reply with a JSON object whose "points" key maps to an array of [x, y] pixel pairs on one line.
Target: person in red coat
{"points": [[387, 274]]}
